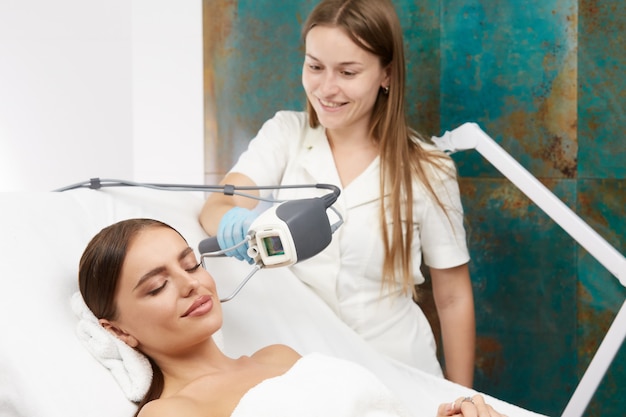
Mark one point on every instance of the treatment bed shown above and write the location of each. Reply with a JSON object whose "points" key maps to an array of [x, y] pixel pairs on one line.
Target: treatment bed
{"points": [[46, 371]]}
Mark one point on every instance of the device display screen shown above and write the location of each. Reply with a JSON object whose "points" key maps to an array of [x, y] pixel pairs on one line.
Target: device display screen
{"points": [[273, 245]]}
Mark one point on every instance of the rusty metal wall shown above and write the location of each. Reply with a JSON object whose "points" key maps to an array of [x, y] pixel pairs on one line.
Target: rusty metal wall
{"points": [[546, 79]]}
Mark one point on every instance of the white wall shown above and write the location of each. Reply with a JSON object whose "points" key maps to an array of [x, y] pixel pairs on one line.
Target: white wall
{"points": [[109, 89]]}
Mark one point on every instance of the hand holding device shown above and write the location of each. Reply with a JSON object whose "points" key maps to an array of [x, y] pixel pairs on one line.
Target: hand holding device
{"points": [[283, 235], [233, 229]]}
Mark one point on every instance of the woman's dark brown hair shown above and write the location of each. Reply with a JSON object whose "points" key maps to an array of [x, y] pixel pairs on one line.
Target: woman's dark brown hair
{"points": [[99, 271]]}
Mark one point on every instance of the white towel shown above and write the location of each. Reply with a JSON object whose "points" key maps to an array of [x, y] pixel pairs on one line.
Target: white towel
{"points": [[130, 368]]}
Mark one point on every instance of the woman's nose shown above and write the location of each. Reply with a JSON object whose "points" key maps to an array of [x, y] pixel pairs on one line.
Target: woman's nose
{"points": [[188, 283], [328, 84]]}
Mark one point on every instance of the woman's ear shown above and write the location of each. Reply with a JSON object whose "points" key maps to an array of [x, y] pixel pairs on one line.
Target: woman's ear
{"points": [[387, 78], [119, 333]]}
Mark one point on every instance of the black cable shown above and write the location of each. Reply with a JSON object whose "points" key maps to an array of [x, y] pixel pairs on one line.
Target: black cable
{"points": [[97, 183]]}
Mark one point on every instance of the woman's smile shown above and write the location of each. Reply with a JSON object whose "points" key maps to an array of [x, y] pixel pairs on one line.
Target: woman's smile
{"points": [[330, 104]]}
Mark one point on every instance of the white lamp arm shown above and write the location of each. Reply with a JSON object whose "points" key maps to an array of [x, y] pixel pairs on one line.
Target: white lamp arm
{"points": [[471, 136]]}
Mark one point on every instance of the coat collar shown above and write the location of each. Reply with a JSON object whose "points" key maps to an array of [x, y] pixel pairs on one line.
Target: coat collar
{"points": [[318, 162]]}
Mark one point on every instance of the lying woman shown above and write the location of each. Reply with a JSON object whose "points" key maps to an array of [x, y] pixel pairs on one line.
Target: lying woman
{"points": [[145, 285]]}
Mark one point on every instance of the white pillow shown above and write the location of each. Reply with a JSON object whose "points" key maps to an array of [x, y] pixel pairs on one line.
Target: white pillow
{"points": [[45, 369]]}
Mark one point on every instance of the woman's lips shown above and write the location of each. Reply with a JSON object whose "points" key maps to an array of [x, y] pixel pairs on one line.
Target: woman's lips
{"points": [[330, 105], [201, 306]]}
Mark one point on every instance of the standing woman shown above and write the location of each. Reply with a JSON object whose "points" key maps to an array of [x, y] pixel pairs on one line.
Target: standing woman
{"points": [[354, 134]]}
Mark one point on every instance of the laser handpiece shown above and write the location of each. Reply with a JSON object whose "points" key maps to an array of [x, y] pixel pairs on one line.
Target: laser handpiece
{"points": [[289, 232]]}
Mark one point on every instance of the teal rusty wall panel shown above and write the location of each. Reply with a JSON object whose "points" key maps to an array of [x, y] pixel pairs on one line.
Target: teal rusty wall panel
{"points": [[253, 58], [421, 21], [512, 68], [545, 78], [602, 89], [524, 274]]}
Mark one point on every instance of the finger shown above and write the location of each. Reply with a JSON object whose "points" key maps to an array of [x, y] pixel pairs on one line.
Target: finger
{"points": [[447, 410], [465, 406], [238, 232], [484, 409], [456, 405], [444, 409], [225, 231], [240, 235], [231, 239], [242, 252], [221, 236], [481, 407], [468, 409]]}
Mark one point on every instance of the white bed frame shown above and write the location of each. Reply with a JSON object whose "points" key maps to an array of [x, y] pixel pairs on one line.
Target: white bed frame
{"points": [[471, 136]]}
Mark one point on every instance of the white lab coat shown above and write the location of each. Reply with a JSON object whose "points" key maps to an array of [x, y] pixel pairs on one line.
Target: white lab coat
{"points": [[347, 274]]}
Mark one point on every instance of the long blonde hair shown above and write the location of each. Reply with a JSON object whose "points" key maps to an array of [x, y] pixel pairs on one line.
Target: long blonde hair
{"points": [[374, 26]]}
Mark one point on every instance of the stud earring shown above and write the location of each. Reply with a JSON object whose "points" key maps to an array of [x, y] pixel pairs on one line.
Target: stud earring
{"points": [[386, 90]]}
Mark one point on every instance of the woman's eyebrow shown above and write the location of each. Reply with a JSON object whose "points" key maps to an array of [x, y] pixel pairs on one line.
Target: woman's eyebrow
{"points": [[184, 253], [150, 274], [346, 63], [161, 269]]}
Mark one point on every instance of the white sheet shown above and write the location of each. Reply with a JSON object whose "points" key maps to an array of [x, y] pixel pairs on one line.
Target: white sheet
{"points": [[321, 385], [45, 371]]}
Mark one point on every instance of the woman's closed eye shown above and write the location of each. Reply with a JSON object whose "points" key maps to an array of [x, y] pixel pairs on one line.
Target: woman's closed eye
{"points": [[194, 268], [161, 286], [158, 289]]}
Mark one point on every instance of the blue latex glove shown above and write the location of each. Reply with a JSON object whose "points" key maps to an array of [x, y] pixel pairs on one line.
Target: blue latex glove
{"points": [[233, 228]]}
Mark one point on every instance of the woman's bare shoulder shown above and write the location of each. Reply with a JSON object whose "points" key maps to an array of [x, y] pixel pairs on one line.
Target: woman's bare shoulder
{"points": [[177, 405], [277, 354]]}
